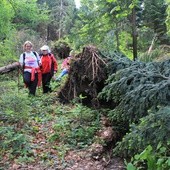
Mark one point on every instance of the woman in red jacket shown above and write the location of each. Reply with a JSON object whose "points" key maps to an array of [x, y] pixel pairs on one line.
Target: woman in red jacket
{"points": [[48, 68]]}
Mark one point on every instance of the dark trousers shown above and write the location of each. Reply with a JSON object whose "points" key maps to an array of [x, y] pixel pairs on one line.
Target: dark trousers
{"points": [[32, 85], [46, 78]]}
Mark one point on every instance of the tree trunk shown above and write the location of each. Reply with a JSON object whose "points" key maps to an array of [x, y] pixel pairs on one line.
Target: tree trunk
{"points": [[134, 34], [9, 67], [60, 29], [117, 37]]}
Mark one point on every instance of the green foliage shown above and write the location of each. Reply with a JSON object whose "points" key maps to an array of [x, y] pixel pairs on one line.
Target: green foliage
{"points": [[146, 85], [168, 17], [92, 25], [107, 24], [145, 37], [76, 127], [156, 11], [6, 16], [151, 159], [125, 47], [155, 54], [8, 49], [14, 111], [16, 17], [151, 130], [6, 32], [13, 141], [61, 13], [14, 108], [28, 14]]}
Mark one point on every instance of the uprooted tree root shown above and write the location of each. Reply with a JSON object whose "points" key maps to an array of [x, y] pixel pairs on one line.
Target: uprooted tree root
{"points": [[87, 76]]}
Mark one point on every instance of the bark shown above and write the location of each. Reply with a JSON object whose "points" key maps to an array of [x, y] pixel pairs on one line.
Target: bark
{"points": [[8, 68], [134, 34]]}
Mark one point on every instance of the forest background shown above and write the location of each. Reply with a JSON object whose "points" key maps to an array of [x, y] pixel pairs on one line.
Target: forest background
{"points": [[106, 24]]}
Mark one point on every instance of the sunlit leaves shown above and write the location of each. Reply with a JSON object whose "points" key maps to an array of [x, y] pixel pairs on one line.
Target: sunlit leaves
{"points": [[6, 16], [111, 0], [28, 14]]}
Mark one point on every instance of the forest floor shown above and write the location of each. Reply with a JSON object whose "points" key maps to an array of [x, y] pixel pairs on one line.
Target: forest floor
{"points": [[44, 113], [46, 157]]}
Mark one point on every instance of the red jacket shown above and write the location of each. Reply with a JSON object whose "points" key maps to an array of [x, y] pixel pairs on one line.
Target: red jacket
{"points": [[46, 63]]}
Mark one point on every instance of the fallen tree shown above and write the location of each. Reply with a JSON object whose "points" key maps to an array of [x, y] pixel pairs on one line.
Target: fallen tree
{"points": [[9, 67], [87, 77]]}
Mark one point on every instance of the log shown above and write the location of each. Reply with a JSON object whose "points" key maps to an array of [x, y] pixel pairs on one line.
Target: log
{"points": [[9, 67]]}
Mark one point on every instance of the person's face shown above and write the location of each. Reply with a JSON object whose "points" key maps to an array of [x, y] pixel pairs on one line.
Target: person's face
{"points": [[44, 52], [28, 47]]}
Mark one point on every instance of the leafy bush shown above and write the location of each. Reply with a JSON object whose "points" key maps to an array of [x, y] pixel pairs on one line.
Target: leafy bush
{"points": [[14, 108], [150, 159], [13, 142], [76, 127]]}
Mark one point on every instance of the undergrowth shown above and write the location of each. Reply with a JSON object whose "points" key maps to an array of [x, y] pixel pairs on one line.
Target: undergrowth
{"points": [[23, 118]]}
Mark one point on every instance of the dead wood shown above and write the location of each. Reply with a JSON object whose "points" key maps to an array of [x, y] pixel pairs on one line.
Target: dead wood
{"points": [[87, 77], [9, 68]]}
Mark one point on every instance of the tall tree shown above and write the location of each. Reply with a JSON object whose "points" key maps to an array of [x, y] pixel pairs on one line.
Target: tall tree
{"points": [[103, 23], [154, 17], [61, 14]]}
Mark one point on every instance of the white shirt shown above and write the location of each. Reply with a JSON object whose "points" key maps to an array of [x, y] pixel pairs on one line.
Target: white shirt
{"points": [[30, 60]]}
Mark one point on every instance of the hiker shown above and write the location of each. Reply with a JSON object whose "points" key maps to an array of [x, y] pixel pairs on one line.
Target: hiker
{"points": [[30, 62], [48, 68], [65, 66]]}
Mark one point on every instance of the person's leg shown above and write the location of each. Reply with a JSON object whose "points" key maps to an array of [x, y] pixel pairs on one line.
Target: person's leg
{"points": [[46, 78], [33, 85], [44, 82], [64, 72], [49, 77], [27, 78]]}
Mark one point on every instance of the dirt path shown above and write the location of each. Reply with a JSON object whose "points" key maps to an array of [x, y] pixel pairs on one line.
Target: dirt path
{"points": [[45, 157]]}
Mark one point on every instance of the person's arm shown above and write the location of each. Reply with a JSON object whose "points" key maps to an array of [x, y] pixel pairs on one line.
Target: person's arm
{"points": [[55, 63], [21, 60], [38, 58]]}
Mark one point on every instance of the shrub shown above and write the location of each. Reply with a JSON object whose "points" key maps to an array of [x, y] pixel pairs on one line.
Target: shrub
{"points": [[14, 108], [151, 130]]}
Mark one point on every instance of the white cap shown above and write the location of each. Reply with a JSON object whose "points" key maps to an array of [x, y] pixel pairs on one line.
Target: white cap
{"points": [[45, 47]]}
